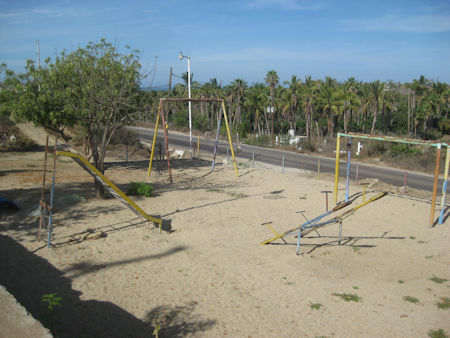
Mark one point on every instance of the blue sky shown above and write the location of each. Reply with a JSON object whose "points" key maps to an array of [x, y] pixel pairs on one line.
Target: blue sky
{"points": [[369, 40]]}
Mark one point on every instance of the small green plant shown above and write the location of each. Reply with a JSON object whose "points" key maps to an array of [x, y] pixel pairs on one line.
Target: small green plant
{"points": [[410, 299], [438, 280], [355, 249], [156, 330], [355, 287], [213, 190], [421, 242], [303, 197], [140, 189], [437, 334], [444, 303], [348, 297], [412, 237], [400, 281], [429, 257], [315, 306], [51, 300]]}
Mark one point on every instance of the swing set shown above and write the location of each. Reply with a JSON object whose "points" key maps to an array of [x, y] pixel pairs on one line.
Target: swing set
{"points": [[160, 113]]}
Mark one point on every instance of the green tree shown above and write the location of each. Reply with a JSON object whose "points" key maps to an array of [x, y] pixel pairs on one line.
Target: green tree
{"points": [[238, 87], [97, 87], [294, 92], [376, 99], [272, 81], [329, 97], [256, 102], [308, 95]]}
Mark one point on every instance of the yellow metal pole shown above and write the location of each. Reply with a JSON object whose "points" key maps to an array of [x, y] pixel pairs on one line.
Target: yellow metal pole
{"points": [[153, 145], [444, 186], [364, 193], [229, 138], [435, 183], [336, 173], [198, 145]]}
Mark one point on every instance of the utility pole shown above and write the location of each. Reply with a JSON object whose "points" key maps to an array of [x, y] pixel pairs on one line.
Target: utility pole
{"points": [[37, 54], [170, 80], [38, 62]]}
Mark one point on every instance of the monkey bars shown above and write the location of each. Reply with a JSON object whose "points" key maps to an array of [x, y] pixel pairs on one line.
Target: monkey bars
{"points": [[438, 146]]}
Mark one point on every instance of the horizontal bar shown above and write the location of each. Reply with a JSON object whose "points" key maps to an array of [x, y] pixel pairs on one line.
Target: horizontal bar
{"points": [[393, 139], [174, 99]]}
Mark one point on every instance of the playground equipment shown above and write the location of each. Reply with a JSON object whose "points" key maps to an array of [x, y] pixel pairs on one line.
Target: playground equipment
{"points": [[45, 207], [86, 165], [438, 147], [314, 224], [166, 128]]}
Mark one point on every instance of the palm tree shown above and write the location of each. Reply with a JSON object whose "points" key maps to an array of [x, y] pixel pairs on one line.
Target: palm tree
{"points": [[238, 86], [272, 80], [350, 101], [255, 102], [308, 96], [330, 98], [376, 99], [294, 93]]}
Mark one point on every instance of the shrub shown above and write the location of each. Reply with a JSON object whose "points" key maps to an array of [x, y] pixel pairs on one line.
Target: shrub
{"points": [[140, 189], [376, 148], [125, 136], [403, 150], [263, 140]]}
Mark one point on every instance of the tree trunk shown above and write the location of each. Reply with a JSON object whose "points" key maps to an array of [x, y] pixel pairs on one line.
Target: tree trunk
{"points": [[409, 115]]}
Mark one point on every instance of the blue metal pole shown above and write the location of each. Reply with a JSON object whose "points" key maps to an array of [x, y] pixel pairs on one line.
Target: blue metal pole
{"points": [[444, 191], [298, 240]]}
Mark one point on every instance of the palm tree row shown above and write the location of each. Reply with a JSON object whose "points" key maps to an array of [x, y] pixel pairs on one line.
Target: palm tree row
{"points": [[323, 107]]}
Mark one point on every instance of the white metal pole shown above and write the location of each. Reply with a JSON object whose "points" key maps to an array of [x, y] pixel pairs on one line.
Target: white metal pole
{"points": [[190, 113]]}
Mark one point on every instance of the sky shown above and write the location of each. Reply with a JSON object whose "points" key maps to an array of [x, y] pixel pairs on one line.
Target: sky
{"points": [[369, 40]]}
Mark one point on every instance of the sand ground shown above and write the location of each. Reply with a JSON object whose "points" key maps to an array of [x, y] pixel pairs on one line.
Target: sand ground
{"points": [[208, 275]]}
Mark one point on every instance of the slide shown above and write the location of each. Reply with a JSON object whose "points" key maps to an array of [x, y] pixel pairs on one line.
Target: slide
{"points": [[112, 188]]}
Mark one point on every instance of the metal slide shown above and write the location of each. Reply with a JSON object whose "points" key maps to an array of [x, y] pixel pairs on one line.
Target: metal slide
{"points": [[112, 188]]}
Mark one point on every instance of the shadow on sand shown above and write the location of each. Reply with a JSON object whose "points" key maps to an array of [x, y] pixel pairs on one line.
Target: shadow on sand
{"points": [[28, 277]]}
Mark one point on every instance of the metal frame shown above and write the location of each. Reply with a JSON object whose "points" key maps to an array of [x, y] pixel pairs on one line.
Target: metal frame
{"points": [[166, 127], [438, 146]]}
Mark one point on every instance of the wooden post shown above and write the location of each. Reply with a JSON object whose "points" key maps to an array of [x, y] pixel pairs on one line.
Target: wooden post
{"points": [[166, 140], [318, 169], [326, 192], [406, 182], [435, 183], [52, 198]]}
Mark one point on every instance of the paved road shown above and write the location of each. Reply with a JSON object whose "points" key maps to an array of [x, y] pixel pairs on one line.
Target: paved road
{"points": [[293, 160]]}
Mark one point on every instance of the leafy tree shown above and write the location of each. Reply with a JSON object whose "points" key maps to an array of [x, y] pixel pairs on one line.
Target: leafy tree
{"points": [[97, 87]]}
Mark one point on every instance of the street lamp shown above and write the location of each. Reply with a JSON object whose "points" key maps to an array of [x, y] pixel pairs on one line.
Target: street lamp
{"points": [[181, 56], [271, 110]]}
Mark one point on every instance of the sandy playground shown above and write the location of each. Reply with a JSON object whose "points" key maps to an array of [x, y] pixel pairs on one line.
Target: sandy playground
{"points": [[208, 275]]}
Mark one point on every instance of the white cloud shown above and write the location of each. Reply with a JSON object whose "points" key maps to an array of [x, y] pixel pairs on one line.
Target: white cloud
{"points": [[288, 4], [426, 23], [54, 12]]}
